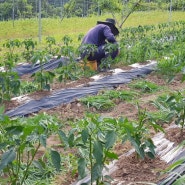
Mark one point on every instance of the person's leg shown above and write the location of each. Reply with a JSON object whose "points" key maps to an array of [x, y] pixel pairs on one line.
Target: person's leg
{"points": [[101, 54], [98, 55]]}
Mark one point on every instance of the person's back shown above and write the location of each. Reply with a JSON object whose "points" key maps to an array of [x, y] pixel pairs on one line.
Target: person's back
{"points": [[98, 35]]}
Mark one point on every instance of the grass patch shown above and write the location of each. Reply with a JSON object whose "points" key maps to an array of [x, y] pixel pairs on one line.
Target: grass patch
{"points": [[144, 86], [106, 100], [28, 28]]}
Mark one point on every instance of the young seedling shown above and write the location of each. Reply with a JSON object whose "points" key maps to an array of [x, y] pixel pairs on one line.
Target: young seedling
{"points": [[11, 57], [51, 46], [144, 86], [100, 102], [29, 46], [43, 78], [9, 85], [105, 100]]}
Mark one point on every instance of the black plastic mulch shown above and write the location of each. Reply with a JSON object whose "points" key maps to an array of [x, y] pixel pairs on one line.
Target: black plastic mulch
{"points": [[33, 68], [68, 95]]}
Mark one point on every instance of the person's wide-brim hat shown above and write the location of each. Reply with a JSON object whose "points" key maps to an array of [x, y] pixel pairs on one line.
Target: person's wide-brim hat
{"points": [[111, 24]]}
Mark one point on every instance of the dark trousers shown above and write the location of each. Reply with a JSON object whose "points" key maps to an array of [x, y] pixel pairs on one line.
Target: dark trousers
{"points": [[101, 54]]}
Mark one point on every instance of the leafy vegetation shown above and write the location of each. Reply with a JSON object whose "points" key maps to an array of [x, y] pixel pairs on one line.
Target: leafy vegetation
{"points": [[59, 29], [105, 100], [42, 77], [144, 86], [151, 42], [93, 136], [9, 85], [69, 8], [138, 133], [29, 46], [27, 87], [174, 63], [94, 139], [20, 142], [174, 106]]}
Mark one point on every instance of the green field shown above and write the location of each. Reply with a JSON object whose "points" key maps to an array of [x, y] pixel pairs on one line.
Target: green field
{"points": [[56, 145], [56, 28]]}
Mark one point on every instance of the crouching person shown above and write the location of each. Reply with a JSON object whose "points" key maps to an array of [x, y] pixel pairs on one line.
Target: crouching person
{"points": [[100, 43]]}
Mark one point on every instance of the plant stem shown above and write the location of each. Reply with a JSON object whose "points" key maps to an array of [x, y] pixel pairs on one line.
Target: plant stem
{"points": [[183, 122], [18, 164], [90, 156], [28, 165]]}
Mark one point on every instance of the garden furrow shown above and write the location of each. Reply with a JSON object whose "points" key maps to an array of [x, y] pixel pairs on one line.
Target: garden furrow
{"points": [[69, 95]]}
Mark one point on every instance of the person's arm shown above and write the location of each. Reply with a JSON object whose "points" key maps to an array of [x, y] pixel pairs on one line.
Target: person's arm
{"points": [[109, 35]]}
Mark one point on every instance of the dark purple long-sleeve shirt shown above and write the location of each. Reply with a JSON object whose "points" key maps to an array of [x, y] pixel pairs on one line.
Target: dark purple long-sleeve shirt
{"points": [[98, 35]]}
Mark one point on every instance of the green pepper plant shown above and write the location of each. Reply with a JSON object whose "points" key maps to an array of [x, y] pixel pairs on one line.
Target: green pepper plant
{"points": [[138, 133], [94, 138], [51, 46], [20, 142], [42, 77], [9, 80], [29, 47], [69, 70], [108, 61], [87, 49], [9, 85], [66, 72], [11, 57], [174, 105], [67, 49]]}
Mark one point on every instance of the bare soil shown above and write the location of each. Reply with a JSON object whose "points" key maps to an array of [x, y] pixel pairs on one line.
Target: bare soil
{"points": [[131, 169]]}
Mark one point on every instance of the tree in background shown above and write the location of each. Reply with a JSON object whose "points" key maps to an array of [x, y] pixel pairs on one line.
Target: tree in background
{"points": [[5, 11], [17, 9]]}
